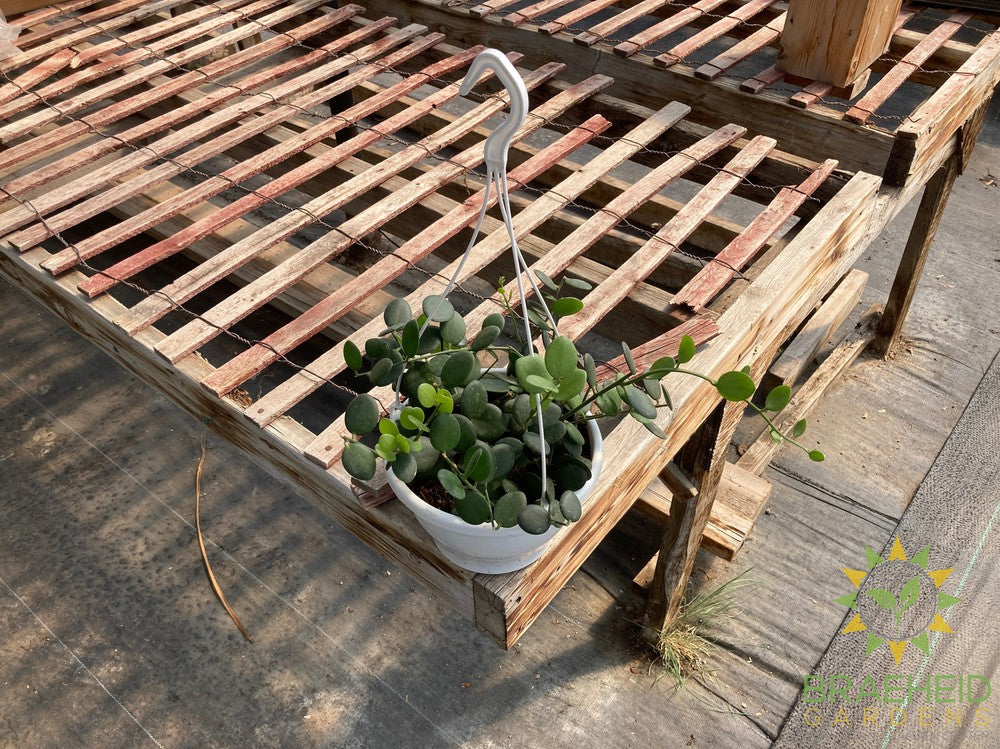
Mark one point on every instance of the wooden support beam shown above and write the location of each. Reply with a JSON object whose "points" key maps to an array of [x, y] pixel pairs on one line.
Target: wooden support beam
{"points": [[816, 331], [760, 453], [918, 244]]}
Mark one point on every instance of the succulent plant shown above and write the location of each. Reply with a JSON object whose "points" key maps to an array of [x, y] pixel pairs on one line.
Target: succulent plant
{"points": [[469, 429]]}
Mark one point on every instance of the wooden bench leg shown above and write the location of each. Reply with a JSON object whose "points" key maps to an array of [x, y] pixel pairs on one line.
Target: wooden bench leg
{"points": [[925, 226], [703, 457]]}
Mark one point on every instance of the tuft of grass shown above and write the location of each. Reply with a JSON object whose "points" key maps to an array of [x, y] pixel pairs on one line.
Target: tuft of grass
{"points": [[687, 642]]}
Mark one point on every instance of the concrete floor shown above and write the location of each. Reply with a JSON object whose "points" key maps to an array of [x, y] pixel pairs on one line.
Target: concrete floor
{"points": [[110, 635]]}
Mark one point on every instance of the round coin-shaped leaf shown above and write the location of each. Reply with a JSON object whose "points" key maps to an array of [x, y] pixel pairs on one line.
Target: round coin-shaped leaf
{"points": [[405, 467], [361, 415], [397, 313], [359, 461], [735, 386], [437, 308], [445, 432], [474, 399], [561, 357], [473, 508], [533, 519], [569, 505], [458, 369], [508, 507]]}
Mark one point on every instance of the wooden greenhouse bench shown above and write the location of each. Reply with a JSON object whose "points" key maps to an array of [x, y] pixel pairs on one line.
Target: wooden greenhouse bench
{"points": [[168, 189]]}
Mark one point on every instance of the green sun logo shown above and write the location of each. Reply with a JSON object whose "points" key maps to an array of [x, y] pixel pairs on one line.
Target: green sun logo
{"points": [[897, 600]]}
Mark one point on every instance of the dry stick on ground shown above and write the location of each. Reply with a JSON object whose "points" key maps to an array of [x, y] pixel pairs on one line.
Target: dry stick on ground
{"points": [[201, 544]]}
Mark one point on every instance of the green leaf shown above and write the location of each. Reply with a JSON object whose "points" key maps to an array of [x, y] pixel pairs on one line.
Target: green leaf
{"points": [[569, 505], [397, 313], [685, 352], [376, 348], [662, 365], [468, 438], [566, 306], [405, 467], [573, 433], [362, 415], [535, 443], [459, 369], [533, 519], [508, 507], [444, 402], [735, 386], [629, 360], [387, 426], [652, 427], [561, 357], [473, 508], [451, 483], [884, 598], [386, 447], [909, 593], [546, 280], [445, 432], [411, 338], [437, 308], [572, 385], [486, 337], [578, 283], [817, 456], [430, 340], [799, 429], [503, 459], [666, 397], [535, 384], [778, 398], [453, 331], [608, 404], [359, 461], [641, 402], [352, 356], [381, 372], [411, 417], [478, 463], [474, 399], [402, 444], [425, 394], [591, 367], [530, 365], [495, 320]]}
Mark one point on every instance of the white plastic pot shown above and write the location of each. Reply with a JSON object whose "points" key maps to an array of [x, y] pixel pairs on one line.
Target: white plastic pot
{"points": [[480, 548]]}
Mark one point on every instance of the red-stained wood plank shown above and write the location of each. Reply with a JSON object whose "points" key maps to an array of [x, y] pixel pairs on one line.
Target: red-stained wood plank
{"points": [[35, 75], [329, 364], [121, 167], [490, 7], [741, 50], [711, 279], [865, 107], [44, 14], [244, 301], [532, 11], [666, 27], [176, 117], [241, 368], [277, 186], [680, 51], [629, 274], [585, 236], [144, 73], [577, 14], [762, 80], [618, 21], [137, 10], [701, 328]]}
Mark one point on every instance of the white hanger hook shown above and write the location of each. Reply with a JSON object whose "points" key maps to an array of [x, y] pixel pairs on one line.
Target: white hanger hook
{"points": [[500, 139]]}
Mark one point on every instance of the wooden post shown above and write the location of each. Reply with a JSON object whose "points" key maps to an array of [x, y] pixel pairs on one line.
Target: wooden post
{"points": [[703, 457], [835, 41], [925, 226]]}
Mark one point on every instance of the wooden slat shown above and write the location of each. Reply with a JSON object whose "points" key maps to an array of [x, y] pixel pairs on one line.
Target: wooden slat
{"points": [[816, 331], [618, 21], [299, 386], [192, 157], [668, 238], [666, 27], [741, 50], [39, 18], [575, 15], [876, 96], [490, 6], [680, 51], [276, 187], [711, 279], [534, 10], [191, 336], [122, 83], [35, 75], [250, 362]]}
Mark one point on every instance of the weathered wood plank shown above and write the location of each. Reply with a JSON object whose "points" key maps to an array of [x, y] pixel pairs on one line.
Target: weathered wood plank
{"points": [[816, 332]]}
